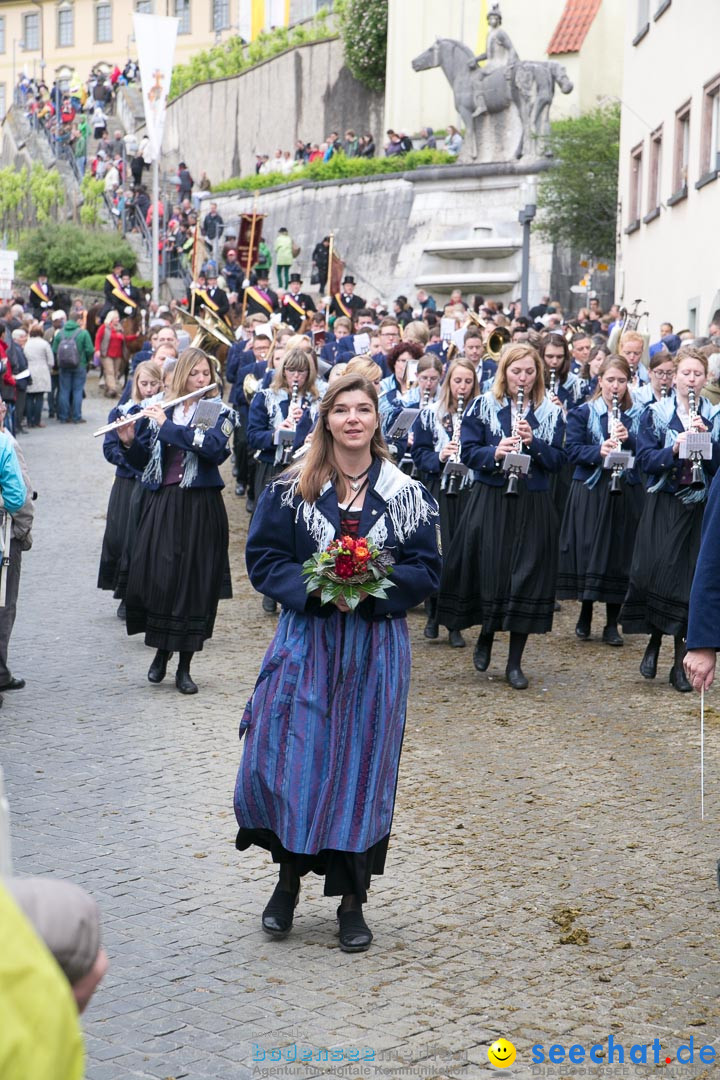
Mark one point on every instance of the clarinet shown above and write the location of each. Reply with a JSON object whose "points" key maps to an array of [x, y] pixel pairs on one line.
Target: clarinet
{"points": [[449, 484], [698, 479], [288, 447], [553, 381], [615, 488], [663, 391], [513, 471]]}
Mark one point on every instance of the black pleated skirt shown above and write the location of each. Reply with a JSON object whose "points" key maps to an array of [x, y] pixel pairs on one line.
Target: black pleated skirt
{"points": [[139, 497], [597, 539], [116, 527], [666, 551], [179, 568], [451, 507], [345, 872], [501, 566]]}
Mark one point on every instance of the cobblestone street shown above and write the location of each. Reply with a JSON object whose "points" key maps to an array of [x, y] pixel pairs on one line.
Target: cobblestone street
{"points": [[549, 879]]}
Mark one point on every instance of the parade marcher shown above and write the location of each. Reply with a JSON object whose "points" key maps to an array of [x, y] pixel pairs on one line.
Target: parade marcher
{"points": [[668, 536], [436, 440], [239, 365], [260, 298], [179, 568], [346, 302], [590, 370], [501, 567], [340, 749], [273, 408], [113, 290], [42, 297], [703, 635], [565, 388], [210, 296], [598, 530], [632, 347], [396, 385], [661, 371], [580, 346], [295, 305], [146, 383]]}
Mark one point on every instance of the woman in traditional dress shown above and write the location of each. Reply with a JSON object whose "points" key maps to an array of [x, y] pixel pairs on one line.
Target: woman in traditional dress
{"points": [[399, 360], [668, 537], [179, 568], [598, 529], [591, 369], [661, 369], [564, 387], [146, 382], [435, 441], [323, 729], [501, 566]]}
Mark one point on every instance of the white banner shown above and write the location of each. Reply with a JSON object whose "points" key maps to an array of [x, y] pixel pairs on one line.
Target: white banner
{"points": [[155, 40]]}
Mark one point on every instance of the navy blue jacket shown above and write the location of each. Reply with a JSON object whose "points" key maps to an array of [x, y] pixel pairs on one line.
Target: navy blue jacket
{"points": [[583, 450], [704, 617], [261, 430], [479, 443], [656, 459], [280, 541], [114, 451], [211, 450]]}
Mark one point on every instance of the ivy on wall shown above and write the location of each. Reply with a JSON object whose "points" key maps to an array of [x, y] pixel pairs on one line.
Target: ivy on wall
{"points": [[363, 28]]}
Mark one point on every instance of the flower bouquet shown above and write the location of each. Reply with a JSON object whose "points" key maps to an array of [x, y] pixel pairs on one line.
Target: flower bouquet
{"points": [[351, 568]]}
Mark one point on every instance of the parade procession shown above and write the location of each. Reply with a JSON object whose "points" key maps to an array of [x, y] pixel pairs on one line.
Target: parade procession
{"points": [[360, 529]]}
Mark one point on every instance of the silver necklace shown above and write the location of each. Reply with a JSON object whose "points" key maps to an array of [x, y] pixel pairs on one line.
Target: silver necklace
{"points": [[356, 482]]}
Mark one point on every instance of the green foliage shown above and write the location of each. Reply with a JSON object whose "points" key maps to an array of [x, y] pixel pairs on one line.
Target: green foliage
{"points": [[47, 192], [340, 167], [363, 26], [92, 192], [95, 283], [234, 56], [578, 198], [70, 253], [28, 198]]}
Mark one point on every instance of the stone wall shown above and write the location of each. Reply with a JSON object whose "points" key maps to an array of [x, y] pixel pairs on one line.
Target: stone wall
{"points": [[304, 94]]}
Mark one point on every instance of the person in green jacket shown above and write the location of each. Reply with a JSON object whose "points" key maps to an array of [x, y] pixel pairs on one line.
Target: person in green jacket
{"points": [[264, 259], [283, 257], [72, 370]]}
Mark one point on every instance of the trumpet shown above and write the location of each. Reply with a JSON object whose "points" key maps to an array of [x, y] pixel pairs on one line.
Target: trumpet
{"points": [[450, 481], [615, 488], [132, 418], [514, 470], [698, 478]]}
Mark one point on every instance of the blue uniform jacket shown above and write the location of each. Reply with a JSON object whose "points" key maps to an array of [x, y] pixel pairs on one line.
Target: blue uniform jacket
{"points": [[487, 421], [261, 429], [429, 437], [398, 514], [583, 447], [704, 616], [655, 450], [114, 451], [204, 451]]}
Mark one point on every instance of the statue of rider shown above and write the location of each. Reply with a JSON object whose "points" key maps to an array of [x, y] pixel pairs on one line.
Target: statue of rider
{"points": [[499, 52]]}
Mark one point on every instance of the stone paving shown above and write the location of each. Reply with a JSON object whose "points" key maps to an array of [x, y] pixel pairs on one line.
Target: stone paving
{"points": [[549, 878]]}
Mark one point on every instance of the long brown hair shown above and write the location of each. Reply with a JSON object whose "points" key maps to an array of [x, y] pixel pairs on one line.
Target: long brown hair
{"points": [[445, 402], [509, 355], [318, 465], [145, 367], [621, 364], [186, 362], [297, 360]]}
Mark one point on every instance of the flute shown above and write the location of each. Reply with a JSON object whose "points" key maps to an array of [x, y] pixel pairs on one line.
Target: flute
{"points": [[134, 417]]}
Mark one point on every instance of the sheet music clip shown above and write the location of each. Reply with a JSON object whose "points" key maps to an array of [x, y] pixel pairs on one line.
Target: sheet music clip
{"points": [[623, 459], [697, 442], [206, 414], [284, 436], [403, 424], [520, 463]]}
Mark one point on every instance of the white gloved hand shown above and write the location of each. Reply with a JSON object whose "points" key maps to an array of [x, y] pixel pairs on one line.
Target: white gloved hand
{"points": [[246, 283]]}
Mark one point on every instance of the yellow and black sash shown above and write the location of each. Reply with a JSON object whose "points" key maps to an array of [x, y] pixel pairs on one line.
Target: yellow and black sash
{"points": [[35, 287], [252, 294], [289, 299], [345, 310], [205, 299], [119, 291]]}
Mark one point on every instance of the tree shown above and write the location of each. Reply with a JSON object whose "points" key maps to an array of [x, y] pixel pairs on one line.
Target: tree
{"points": [[363, 26], [577, 198]]}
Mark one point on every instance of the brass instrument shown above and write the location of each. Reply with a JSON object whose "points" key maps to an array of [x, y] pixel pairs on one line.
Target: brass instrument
{"points": [[132, 418], [629, 321], [497, 341], [450, 481], [615, 488], [698, 478], [513, 468]]}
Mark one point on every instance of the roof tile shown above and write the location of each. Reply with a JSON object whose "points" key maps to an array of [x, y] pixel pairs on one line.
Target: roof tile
{"points": [[571, 30]]}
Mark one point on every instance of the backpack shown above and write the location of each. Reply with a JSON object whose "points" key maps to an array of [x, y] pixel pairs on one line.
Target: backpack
{"points": [[68, 354]]}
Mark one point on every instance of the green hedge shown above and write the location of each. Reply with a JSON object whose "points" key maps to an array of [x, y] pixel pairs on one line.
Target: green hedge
{"points": [[340, 167], [95, 282], [363, 26], [70, 253]]}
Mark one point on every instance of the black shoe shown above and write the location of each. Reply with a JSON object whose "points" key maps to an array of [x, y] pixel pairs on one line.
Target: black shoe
{"points": [[355, 934], [269, 606], [648, 664], [122, 610], [482, 653], [240, 490], [250, 506], [516, 678], [456, 640], [158, 668], [184, 683], [611, 636], [13, 684], [277, 918], [582, 630], [679, 680], [431, 628]]}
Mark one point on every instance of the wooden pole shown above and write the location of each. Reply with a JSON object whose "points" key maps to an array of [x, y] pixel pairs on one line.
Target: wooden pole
{"points": [[248, 262], [328, 283]]}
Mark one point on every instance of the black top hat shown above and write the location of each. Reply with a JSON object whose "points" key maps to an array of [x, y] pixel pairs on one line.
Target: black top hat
{"points": [[262, 272], [296, 277], [348, 280]]}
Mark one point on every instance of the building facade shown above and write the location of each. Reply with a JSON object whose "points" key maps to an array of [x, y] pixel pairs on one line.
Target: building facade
{"points": [[669, 186]]}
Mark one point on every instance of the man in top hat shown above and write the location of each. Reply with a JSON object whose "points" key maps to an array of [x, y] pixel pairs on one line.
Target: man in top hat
{"points": [[42, 296], [260, 298], [112, 289], [295, 305], [207, 295], [128, 300], [346, 302]]}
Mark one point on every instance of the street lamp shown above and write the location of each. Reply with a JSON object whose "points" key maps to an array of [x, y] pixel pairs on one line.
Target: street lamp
{"points": [[526, 217]]}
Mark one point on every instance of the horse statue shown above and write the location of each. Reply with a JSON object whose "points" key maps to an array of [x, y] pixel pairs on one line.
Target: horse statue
{"points": [[528, 84]]}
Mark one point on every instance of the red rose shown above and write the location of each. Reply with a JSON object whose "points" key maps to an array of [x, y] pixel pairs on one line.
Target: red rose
{"points": [[344, 566]]}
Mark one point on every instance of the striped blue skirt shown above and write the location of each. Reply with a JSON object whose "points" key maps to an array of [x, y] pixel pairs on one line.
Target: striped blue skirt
{"points": [[323, 732]]}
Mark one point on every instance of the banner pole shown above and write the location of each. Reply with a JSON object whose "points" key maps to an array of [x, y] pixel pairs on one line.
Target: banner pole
{"points": [[156, 233]]}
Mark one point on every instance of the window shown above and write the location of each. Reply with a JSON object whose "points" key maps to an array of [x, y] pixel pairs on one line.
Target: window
{"points": [[145, 7], [221, 14], [31, 31], [65, 26], [103, 23], [182, 12], [636, 168], [2, 33], [654, 174], [643, 20], [3, 107], [682, 150], [710, 137]]}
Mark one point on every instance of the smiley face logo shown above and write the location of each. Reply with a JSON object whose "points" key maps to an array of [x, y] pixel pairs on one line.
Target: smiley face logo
{"points": [[501, 1053]]}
